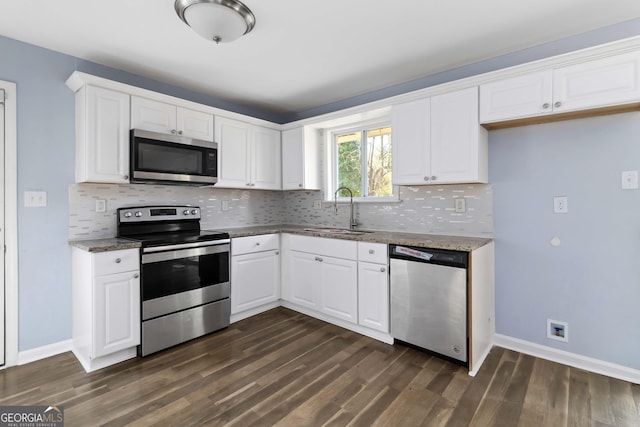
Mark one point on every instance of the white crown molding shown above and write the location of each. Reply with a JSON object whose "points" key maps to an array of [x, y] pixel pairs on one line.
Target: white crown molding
{"points": [[566, 358]]}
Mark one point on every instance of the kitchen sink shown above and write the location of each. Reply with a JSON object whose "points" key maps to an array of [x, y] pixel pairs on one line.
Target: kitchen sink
{"points": [[337, 231]]}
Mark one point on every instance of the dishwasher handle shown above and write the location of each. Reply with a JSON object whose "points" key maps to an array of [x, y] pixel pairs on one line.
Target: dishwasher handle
{"points": [[430, 256]]}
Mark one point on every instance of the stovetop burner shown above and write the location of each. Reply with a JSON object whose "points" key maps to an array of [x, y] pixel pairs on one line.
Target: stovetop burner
{"points": [[164, 225], [157, 239]]}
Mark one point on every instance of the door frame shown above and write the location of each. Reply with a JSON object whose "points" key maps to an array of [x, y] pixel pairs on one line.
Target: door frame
{"points": [[11, 222]]}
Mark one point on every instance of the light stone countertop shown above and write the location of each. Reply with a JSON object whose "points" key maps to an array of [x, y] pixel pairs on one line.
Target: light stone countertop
{"points": [[434, 241], [104, 245]]}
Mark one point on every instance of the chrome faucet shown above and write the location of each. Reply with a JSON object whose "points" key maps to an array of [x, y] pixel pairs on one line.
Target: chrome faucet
{"points": [[352, 220]]}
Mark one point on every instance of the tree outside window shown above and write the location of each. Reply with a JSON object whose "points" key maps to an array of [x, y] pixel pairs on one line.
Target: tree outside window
{"points": [[364, 162]]}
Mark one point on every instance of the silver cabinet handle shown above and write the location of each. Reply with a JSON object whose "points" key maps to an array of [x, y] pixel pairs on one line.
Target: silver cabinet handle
{"points": [[557, 104], [118, 260], [173, 131], [257, 243], [299, 185], [433, 178], [545, 105], [371, 251], [277, 253], [135, 276], [382, 269], [426, 178], [179, 132], [126, 176], [318, 259]]}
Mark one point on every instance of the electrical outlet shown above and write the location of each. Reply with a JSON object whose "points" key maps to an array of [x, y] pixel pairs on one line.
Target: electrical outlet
{"points": [[561, 204], [461, 205], [557, 330], [317, 204], [101, 205], [35, 199], [225, 205]]}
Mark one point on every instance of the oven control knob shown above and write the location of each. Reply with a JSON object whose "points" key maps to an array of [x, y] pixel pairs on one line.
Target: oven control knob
{"points": [[185, 212], [128, 214], [138, 214], [194, 211]]}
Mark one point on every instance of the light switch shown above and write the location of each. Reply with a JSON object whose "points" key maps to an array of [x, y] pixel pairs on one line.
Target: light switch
{"points": [[101, 205], [560, 205], [35, 199], [629, 180]]}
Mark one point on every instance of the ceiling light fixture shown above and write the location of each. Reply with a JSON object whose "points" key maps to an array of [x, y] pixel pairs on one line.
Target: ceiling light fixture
{"points": [[222, 21]]}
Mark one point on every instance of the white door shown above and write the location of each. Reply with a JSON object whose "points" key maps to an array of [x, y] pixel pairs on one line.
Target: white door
{"points": [[255, 280], [411, 123], [2, 303], [265, 159], [340, 288]]}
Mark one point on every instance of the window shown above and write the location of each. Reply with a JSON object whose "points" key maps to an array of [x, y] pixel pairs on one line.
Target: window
{"points": [[362, 162]]}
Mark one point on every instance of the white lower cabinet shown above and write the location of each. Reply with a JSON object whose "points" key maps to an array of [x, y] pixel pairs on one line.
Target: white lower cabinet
{"points": [[373, 286], [255, 273], [373, 296], [322, 275], [106, 306]]}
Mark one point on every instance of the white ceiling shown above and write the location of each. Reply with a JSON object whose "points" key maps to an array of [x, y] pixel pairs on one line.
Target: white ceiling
{"points": [[303, 54]]}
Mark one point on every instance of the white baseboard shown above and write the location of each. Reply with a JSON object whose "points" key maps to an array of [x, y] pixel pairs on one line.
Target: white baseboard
{"points": [[43, 352], [566, 358], [253, 311]]}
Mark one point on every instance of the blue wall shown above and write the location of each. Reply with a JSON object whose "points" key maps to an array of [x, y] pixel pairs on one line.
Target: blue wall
{"points": [[592, 280]]}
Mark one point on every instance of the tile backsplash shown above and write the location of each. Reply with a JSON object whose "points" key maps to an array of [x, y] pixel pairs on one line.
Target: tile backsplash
{"points": [[422, 209]]}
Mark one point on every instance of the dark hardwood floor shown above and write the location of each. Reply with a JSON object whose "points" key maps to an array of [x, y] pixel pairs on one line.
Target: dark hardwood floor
{"points": [[284, 368]]}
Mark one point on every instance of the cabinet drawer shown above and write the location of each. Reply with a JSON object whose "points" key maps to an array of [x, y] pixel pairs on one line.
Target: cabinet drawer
{"points": [[116, 261], [345, 249], [372, 252], [245, 245]]}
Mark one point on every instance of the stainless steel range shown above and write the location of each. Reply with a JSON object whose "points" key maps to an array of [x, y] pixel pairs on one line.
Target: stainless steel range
{"points": [[184, 274]]}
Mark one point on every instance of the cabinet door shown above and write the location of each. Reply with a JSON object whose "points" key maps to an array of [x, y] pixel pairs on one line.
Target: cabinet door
{"points": [[517, 97], [604, 82], [194, 124], [373, 296], [265, 159], [103, 144], [233, 153], [292, 159], [255, 280], [305, 275], [116, 312], [458, 143], [339, 288], [411, 142], [152, 115]]}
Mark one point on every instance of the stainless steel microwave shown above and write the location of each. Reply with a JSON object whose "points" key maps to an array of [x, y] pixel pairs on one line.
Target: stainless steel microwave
{"points": [[172, 159]]}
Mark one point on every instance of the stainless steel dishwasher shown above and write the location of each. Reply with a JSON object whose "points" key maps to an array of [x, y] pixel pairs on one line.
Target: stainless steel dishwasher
{"points": [[429, 299]]}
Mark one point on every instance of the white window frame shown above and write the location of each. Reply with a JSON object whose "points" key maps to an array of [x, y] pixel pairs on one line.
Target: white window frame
{"points": [[331, 175]]}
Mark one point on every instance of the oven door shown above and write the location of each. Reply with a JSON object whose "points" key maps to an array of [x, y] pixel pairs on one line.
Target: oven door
{"points": [[175, 278]]}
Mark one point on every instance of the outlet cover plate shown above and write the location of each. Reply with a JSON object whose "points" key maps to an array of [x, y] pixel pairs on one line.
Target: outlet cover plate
{"points": [[460, 205]]}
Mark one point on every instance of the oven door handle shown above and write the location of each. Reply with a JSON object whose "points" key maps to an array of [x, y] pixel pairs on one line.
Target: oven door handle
{"points": [[184, 246], [184, 253]]}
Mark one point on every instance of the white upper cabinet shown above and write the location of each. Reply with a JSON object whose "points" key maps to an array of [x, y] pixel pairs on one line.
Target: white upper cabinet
{"points": [[249, 155], [411, 148], [604, 82], [459, 151], [439, 140], [601, 83], [521, 96], [156, 116], [300, 159], [102, 135]]}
